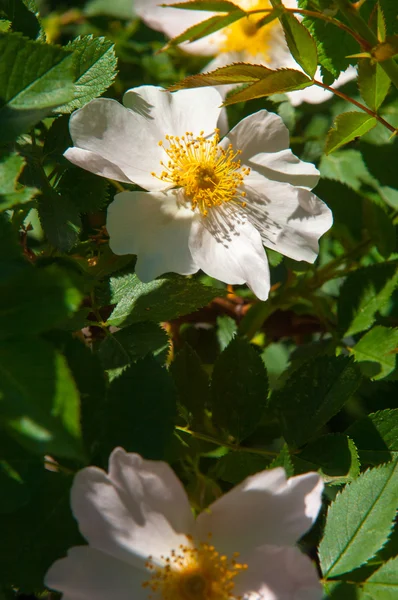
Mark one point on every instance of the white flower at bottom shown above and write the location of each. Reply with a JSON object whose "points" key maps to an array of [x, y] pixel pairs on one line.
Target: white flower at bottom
{"points": [[211, 204], [241, 41], [144, 542]]}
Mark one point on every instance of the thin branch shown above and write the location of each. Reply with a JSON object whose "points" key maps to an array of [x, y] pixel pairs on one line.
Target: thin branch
{"points": [[357, 104], [216, 442]]}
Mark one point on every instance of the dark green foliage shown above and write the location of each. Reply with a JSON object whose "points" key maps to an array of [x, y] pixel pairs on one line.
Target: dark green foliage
{"points": [[239, 389]]}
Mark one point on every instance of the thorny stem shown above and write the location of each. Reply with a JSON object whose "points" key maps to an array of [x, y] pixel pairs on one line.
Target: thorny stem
{"points": [[351, 13], [212, 440], [357, 104]]}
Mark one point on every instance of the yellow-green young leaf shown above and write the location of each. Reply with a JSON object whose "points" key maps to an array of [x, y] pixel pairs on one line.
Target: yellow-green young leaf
{"points": [[234, 73], [359, 521], [382, 584], [207, 5], [376, 352], [381, 24], [386, 49], [348, 126], [301, 43], [274, 82], [11, 193], [373, 83], [206, 27]]}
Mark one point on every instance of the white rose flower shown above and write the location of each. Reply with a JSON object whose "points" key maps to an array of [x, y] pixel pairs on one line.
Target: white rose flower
{"points": [[211, 204], [239, 42], [144, 542]]}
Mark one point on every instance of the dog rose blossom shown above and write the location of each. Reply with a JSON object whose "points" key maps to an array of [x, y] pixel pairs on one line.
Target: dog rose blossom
{"points": [[209, 203], [239, 42], [144, 542]]}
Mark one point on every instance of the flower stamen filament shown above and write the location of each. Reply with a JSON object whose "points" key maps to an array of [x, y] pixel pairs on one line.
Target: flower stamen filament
{"points": [[209, 175]]}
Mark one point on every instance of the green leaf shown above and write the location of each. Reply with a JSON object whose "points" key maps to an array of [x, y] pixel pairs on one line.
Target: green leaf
{"points": [[312, 395], [348, 167], [359, 521], [382, 584], [39, 404], [334, 45], [90, 380], [123, 347], [60, 219], [204, 28], [41, 532], [95, 63], [87, 192], [334, 456], [301, 44], [54, 295], [363, 294], [11, 192], [24, 17], [35, 79], [239, 389], [192, 383], [264, 81], [380, 227], [376, 436], [226, 330], [119, 9], [163, 299], [20, 474], [283, 460], [142, 410], [207, 5], [347, 126], [373, 83], [376, 352]]}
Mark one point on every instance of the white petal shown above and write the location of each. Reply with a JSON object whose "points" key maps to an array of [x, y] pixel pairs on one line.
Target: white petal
{"points": [[229, 248], [278, 574], [156, 228], [95, 163], [118, 136], [286, 167], [88, 574], [290, 219], [139, 509], [173, 21], [317, 95], [257, 133], [174, 113], [264, 509]]}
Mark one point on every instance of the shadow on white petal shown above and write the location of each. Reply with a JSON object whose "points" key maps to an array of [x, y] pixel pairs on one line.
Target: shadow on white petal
{"points": [[88, 574], [264, 509], [156, 227], [227, 247], [276, 573], [138, 510]]}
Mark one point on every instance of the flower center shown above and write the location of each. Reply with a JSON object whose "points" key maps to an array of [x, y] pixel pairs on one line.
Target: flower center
{"points": [[194, 573], [245, 36], [209, 175]]}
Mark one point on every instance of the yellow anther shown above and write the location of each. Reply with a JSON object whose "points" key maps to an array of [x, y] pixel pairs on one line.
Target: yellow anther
{"points": [[209, 175], [245, 35], [196, 572]]}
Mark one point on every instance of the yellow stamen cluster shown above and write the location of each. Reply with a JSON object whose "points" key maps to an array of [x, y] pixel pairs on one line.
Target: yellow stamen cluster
{"points": [[245, 35], [194, 573], [209, 175]]}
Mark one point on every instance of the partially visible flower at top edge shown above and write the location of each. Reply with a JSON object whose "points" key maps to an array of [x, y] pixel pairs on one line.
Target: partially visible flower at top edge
{"points": [[145, 544], [211, 204], [239, 42]]}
